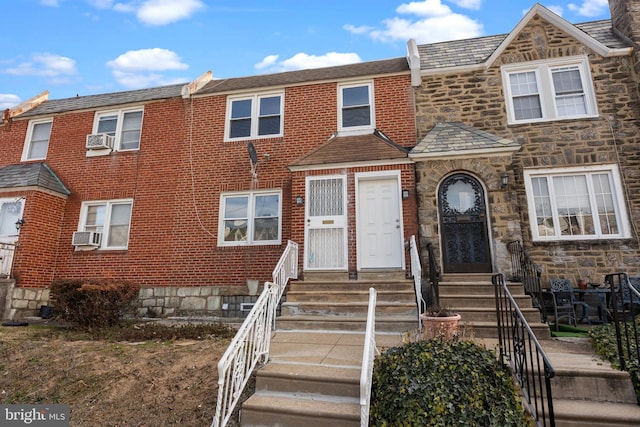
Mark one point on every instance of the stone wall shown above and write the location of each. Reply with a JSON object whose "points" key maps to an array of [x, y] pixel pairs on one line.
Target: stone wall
{"points": [[156, 302], [477, 98]]}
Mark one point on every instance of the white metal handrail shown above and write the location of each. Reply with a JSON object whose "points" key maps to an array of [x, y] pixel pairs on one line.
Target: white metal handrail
{"points": [[366, 374], [251, 344], [6, 259], [416, 272]]}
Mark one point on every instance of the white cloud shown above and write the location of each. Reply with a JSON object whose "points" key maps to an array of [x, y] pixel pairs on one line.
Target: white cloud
{"points": [[8, 100], [268, 61], [44, 65], [590, 7], [301, 61], [425, 8], [162, 12], [148, 59], [433, 21], [141, 68]]}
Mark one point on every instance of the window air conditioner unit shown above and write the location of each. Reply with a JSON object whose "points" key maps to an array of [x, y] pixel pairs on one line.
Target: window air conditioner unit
{"points": [[98, 141], [86, 238]]}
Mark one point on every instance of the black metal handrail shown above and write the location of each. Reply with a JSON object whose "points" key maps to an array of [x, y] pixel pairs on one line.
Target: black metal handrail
{"points": [[433, 298], [523, 354], [524, 270], [623, 307]]}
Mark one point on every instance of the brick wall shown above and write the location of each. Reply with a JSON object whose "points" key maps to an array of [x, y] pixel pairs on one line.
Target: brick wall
{"points": [[175, 180]]}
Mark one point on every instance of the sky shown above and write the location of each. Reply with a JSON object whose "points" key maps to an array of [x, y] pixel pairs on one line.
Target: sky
{"points": [[86, 47]]}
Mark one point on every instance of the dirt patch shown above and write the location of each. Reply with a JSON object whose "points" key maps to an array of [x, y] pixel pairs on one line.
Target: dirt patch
{"points": [[150, 383]]}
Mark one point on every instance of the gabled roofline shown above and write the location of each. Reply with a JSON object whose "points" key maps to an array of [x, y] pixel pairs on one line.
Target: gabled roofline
{"points": [[555, 20], [552, 18]]}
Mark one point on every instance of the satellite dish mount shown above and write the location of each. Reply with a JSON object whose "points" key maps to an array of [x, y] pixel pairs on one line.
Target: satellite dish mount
{"points": [[253, 159]]}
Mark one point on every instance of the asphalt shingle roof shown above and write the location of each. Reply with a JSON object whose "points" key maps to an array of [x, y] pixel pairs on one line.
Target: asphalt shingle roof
{"points": [[354, 148], [31, 175], [386, 66], [458, 53], [452, 137], [104, 100]]}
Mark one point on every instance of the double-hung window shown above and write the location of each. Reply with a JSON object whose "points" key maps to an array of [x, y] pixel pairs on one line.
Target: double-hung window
{"points": [[257, 116], [580, 203], [252, 218], [125, 126], [37, 142], [111, 218], [543, 91], [355, 107]]}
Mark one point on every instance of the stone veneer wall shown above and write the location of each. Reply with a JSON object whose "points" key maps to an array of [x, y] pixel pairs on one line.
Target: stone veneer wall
{"points": [[211, 301], [477, 99]]}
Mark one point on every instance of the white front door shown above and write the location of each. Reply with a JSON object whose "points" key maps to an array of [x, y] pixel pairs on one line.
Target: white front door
{"points": [[326, 223], [380, 243]]}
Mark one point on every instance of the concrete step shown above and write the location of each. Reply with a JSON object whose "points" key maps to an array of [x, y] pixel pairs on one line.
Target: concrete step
{"points": [[588, 377], [474, 288], [459, 301], [309, 410], [347, 309], [350, 285], [466, 277], [399, 324], [305, 378], [347, 296], [474, 314], [583, 413], [487, 329]]}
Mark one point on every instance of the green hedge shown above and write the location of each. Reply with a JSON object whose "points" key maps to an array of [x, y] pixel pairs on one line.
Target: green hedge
{"points": [[443, 383]]}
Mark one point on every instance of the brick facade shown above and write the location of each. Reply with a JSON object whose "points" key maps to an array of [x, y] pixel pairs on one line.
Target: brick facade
{"points": [[175, 181]]}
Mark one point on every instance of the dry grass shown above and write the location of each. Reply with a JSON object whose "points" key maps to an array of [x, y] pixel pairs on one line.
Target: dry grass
{"points": [[147, 375]]}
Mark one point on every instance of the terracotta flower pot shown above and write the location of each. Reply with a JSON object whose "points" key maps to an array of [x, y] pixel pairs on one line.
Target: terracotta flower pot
{"points": [[582, 284], [440, 327]]}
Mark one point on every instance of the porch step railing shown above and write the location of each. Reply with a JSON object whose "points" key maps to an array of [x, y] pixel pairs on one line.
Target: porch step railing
{"points": [[7, 250], [416, 272], [524, 270], [250, 346], [368, 354], [523, 354], [624, 308], [434, 277]]}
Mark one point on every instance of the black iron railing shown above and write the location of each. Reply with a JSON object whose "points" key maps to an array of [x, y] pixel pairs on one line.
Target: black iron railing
{"points": [[522, 353], [623, 308], [433, 298], [524, 270]]}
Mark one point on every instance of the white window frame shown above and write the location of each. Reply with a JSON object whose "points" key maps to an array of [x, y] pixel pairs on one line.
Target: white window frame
{"points": [[118, 133], [106, 227], [544, 78], [251, 195], [255, 115], [29, 139], [345, 130], [618, 201]]}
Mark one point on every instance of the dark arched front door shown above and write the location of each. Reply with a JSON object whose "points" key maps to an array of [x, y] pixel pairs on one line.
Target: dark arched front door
{"points": [[463, 225]]}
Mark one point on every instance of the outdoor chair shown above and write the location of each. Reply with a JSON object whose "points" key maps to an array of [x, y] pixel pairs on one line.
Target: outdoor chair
{"points": [[565, 298], [630, 302], [552, 307]]}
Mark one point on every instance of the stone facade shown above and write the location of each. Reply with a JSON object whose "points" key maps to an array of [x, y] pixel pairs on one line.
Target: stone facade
{"points": [[477, 98]]}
